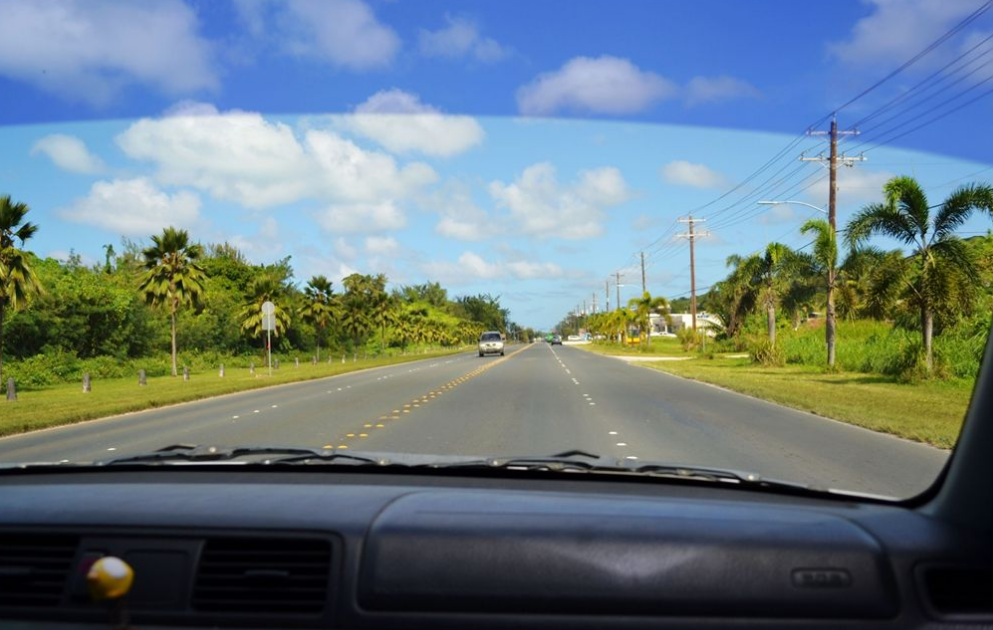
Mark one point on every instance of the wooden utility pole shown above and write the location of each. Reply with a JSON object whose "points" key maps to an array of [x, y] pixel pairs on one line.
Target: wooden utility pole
{"points": [[644, 286], [691, 235], [617, 286], [830, 320]]}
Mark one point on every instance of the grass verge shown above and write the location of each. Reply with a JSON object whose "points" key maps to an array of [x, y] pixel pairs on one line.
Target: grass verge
{"points": [[930, 412], [661, 347], [66, 404]]}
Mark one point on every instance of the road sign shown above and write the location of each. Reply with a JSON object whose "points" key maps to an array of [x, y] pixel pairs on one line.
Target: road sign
{"points": [[268, 308], [268, 322]]}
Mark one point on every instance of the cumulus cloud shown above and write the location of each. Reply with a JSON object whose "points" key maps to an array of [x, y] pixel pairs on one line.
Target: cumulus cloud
{"points": [[540, 206], [89, 50], [704, 90], [683, 173], [133, 207], [401, 123], [362, 217], [601, 85], [343, 33], [460, 218], [381, 246], [895, 29], [242, 157], [460, 37], [471, 267], [68, 153], [344, 249], [266, 244]]}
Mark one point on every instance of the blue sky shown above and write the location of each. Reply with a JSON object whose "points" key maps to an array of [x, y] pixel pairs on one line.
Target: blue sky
{"points": [[526, 149]]}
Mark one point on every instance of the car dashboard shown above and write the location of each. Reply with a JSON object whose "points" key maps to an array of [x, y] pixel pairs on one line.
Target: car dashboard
{"points": [[219, 547]]}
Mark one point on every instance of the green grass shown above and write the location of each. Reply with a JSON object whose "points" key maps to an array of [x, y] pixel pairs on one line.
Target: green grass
{"points": [[65, 404], [661, 347], [929, 412]]}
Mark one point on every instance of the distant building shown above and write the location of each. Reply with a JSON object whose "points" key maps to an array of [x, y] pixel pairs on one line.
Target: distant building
{"points": [[678, 321]]}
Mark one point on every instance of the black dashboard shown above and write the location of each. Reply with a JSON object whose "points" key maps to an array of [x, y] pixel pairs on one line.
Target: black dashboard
{"points": [[342, 549]]}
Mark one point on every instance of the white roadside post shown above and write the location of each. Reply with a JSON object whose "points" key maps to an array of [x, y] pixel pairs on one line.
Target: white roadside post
{"points": [[268, 323]]}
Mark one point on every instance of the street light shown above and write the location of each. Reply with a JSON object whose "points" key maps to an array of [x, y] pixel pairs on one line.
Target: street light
{"points": [[786, 201]]}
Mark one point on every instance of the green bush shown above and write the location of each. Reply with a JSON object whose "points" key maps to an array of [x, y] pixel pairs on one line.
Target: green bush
{"points": [[689, 339], [764, 353]]}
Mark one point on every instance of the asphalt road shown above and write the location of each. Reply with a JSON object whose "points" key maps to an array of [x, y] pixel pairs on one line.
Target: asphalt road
{"points": [[539, 399]]}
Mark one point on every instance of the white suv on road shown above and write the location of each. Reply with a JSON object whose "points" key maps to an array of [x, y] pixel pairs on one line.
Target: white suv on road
{"points": [[491, 343]]}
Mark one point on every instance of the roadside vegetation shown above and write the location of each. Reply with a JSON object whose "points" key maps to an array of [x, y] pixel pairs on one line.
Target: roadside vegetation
{"points": [[904, 332], [175, 306]]}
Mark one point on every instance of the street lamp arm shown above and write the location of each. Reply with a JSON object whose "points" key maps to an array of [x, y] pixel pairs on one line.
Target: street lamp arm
{"points": [[792, 201]]}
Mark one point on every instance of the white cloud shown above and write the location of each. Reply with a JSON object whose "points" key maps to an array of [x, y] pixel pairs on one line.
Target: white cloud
{"points": [[602, 85], [344, 249], [460, 38], [89, 50], [471, 267], [401, 123], [895, 30], [381, 246], [704, 90], [779, 214], [856, 186], [133, 207], [683, 173], [242, 157], [69, 153], [540, 206], [461, 219], [362, 217], [263, 246], [343, 33]]}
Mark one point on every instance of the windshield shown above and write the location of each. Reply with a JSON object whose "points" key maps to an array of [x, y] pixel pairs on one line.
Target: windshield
{"points": [[751, 237]]}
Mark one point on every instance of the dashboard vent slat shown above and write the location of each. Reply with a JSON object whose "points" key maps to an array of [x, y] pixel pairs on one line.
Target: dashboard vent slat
{"points": [[34, 568], [279, 576]]}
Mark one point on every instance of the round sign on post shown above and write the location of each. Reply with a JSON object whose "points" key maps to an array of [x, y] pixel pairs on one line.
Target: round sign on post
{"points": [[268, 308]]}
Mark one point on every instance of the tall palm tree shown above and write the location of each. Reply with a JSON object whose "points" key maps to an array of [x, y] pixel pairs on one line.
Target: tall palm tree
{"points": [[940, 255], [735, 296], [17, 280], [643, 308], [383, 313], [774, 273], [266, 287], [825, 261], [320, 308], [173, 276]]}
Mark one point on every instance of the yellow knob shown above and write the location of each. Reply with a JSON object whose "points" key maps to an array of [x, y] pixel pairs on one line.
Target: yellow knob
{"points": [[109, 578]]}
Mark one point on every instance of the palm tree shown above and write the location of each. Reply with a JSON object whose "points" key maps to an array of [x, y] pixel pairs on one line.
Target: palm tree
{"points": [[906, 216], [383, 313], [173, 277], [267, 287], [825, 260], [644, 307], [774, 273], [17, 280], [735, 296], [320, 308]]}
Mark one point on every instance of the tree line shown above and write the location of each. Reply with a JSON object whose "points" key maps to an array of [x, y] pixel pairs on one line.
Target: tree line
{"points": [[936, 281], [178, 295]]}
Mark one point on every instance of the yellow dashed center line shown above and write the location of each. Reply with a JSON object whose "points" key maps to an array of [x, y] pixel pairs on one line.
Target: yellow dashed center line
{"points": [[417, 402]]}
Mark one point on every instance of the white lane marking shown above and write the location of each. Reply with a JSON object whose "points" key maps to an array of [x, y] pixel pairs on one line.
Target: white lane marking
{"points": [[274, 406], [575, 381], [256, 411], [568, 371], [592, 404], [622, 444], [630, 457], [112, 448], [234, 417], [612, 433], [339, 389]]}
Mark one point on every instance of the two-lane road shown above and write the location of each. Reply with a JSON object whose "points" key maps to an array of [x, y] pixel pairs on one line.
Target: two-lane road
{"points": [[538, 399]]}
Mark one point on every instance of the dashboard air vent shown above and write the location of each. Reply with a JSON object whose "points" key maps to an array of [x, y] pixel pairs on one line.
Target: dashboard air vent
{"points": [[960, 590], [263, 576], [34, 568]]}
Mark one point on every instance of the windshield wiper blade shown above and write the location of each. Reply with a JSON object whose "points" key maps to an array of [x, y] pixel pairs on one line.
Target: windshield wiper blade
{"points": [[188, 453]]}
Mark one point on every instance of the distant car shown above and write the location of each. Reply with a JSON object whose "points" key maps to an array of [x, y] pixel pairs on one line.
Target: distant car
{"points": [[556, 340], [490, 343]]}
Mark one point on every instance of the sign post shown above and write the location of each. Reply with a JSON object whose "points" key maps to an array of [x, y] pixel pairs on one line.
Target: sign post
{"points": [[268, 323]]}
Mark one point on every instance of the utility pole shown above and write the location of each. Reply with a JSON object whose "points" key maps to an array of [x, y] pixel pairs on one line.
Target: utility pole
{"points": [[606, 294], [644, 287], [691, 235], [833, 160], [617, 286], [594, 302]]}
